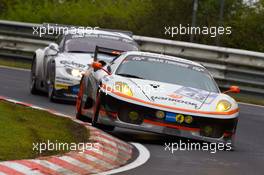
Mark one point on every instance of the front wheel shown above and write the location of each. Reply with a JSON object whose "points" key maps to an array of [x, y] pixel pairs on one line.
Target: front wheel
{"points": [[51, 92], [51, 82], [96, 115], [79, 104]]}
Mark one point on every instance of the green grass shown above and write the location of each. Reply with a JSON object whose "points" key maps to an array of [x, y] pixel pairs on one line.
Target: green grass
{"points": [[14, 63], [20, 127]]}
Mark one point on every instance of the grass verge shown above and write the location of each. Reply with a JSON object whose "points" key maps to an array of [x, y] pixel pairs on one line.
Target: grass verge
{"points": [[20, 127], [14, 63]]}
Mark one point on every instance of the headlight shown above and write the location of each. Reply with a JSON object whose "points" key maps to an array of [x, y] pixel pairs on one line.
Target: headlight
{"points": [[123, 88], [223, 106], [74, 72]]}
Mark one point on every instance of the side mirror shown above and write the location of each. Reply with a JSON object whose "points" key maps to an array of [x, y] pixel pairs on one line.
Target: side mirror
{"points": [[99, 66], [233, 89], [53, 49]]}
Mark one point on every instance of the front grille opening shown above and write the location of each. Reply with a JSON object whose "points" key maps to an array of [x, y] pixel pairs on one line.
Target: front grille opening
{"points": [[213, 131]]}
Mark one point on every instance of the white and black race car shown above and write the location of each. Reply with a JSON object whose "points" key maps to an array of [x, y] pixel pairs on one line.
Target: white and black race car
{"points": [[157, 93], [57, 69]]}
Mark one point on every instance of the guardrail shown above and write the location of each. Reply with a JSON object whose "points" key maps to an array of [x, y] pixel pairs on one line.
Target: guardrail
{"points": [[228, 66]]}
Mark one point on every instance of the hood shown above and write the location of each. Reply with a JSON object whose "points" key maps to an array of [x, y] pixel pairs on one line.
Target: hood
{"points": [[166, 94]]}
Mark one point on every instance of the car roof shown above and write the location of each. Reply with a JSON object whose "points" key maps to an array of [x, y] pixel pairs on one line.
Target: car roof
{"points": [[96, 31], [162, 56]]}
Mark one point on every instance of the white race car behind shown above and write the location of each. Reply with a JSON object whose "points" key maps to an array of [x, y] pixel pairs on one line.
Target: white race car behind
{"points": [[57, 69]]}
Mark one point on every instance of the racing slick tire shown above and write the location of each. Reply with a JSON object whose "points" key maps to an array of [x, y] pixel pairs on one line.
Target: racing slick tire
{"points": [[33, 79], [96, 115], [51, 83], [79, 104], [51, 92]]}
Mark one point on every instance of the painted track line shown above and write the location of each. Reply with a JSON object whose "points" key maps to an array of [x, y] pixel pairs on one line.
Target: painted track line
{"points": [[143, 157], [21, 168]]}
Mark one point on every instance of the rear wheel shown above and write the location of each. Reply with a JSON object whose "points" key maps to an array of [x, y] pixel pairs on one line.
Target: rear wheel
{"points": [[51, 83], [96, 115], [33, 81], [51, 90]]}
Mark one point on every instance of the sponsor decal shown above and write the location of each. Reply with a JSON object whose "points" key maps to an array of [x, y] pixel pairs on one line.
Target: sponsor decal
{"points": [[195, 94], [70, 95], [163, 60], [174, 100], [174, 95], [103, 36], [170, 117], [157, 60], [61, 86], [83, 35], [105, 78], [72, 64]]}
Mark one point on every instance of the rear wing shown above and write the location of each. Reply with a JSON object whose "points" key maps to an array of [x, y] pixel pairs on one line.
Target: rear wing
{"points": [[108, 51]]}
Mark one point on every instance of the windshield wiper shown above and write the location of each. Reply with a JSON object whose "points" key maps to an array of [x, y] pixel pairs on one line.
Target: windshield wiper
{"points": [[130, 76]]}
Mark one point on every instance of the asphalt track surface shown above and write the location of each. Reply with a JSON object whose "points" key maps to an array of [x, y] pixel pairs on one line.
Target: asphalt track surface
{"points": [[246, 159]]}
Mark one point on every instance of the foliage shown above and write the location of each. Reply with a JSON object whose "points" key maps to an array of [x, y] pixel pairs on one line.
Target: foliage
{"points": [[147, 17]]}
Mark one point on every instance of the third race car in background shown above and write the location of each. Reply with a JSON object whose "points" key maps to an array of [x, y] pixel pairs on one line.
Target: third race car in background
{"points": [[57, 69], [157, 93]]}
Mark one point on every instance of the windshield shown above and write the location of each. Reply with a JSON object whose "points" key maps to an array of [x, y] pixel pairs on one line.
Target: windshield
{"points": [[167, 71], [87, 43]]}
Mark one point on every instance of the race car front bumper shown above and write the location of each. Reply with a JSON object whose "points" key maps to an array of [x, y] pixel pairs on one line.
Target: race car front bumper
{"points": [[66, 92], [118, 113]]}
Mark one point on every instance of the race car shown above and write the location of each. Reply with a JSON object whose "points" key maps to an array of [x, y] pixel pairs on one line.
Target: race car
{"points": [[157, 93], [57, 69]]}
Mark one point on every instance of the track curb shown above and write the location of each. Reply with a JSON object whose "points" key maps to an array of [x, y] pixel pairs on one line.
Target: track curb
{"points": [[112, 154]]}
